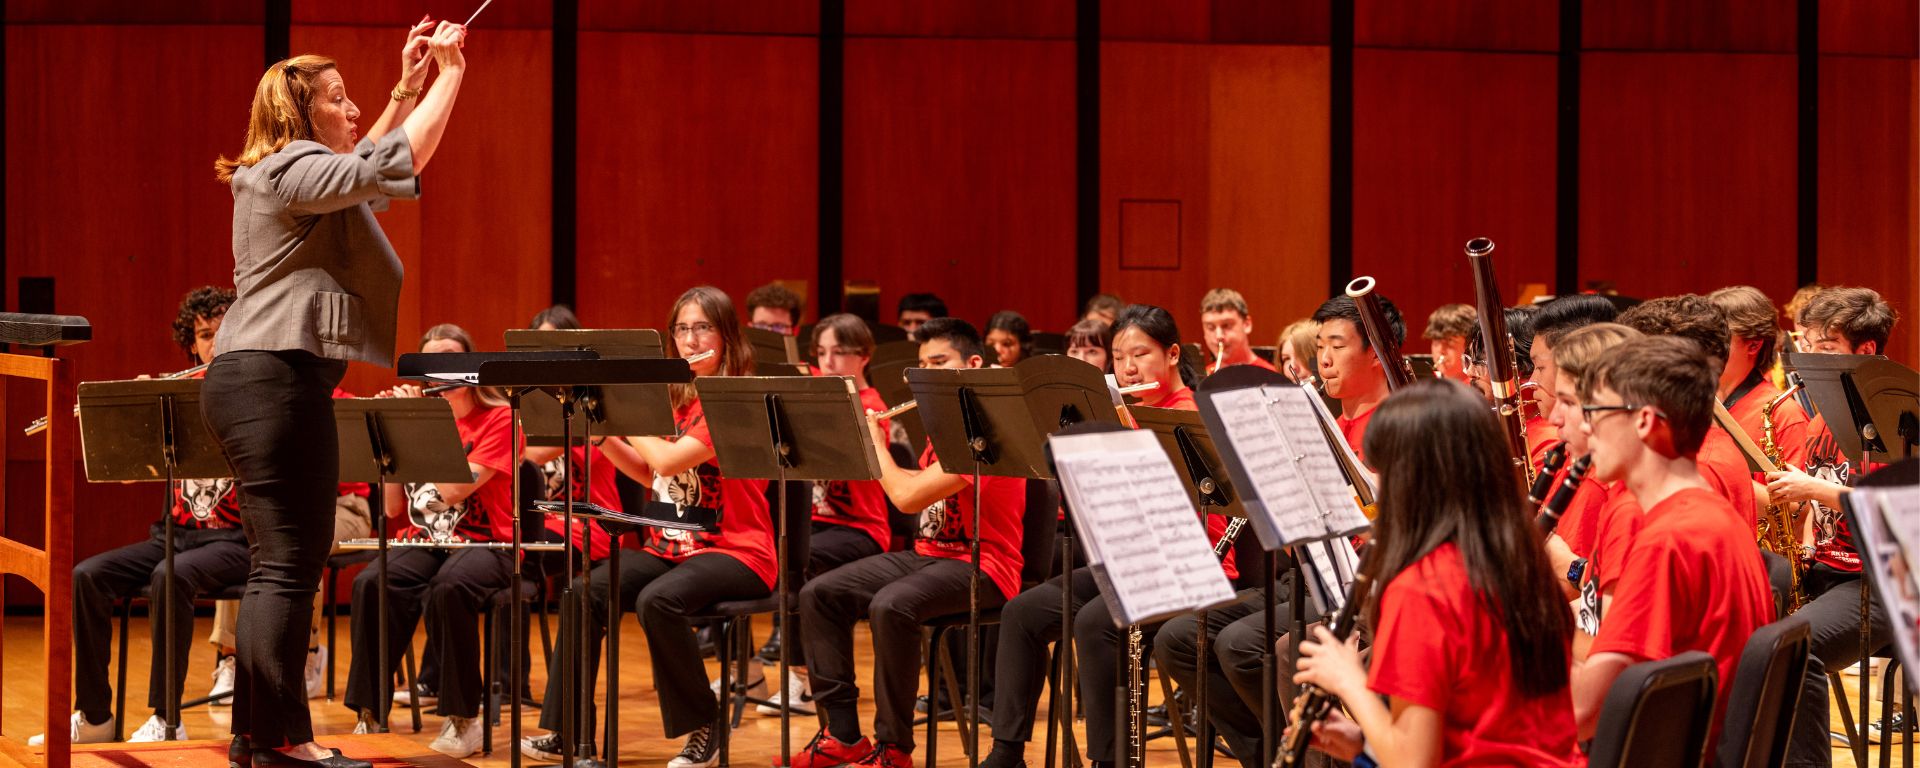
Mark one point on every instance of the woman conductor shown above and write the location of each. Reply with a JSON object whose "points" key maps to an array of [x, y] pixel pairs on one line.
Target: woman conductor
{"points": [[318, 285]]}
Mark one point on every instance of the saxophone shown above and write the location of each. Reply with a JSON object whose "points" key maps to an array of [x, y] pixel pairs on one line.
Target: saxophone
{"points": [[1776, 532]]}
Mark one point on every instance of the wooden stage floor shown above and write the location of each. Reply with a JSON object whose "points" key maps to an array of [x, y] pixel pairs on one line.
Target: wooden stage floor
{"points": [[755, 742]]}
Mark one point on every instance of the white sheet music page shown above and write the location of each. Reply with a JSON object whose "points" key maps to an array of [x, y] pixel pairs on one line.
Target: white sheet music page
{"points": [[1270, 462], [1299, 410], [1138, 522]]}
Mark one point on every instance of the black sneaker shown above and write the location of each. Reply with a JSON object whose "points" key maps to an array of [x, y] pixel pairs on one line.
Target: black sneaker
{"points": [[770, 653], [1885, 730], [549, 749], [707, 649], [702, 750]]}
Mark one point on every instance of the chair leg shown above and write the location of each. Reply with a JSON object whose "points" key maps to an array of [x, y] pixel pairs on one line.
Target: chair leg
{"points": [[1856, 737], [957, 695], [410, 679], [934, 639], [487, 702], [739, 637], [1177, 720], [723, 653], [120, 686], [327, 611]]}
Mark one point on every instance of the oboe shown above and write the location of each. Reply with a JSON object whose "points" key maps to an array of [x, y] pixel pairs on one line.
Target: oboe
{"points": [[1550, 513], [1312, 704], [1543, 484], [40, 424], [1225, 543]]}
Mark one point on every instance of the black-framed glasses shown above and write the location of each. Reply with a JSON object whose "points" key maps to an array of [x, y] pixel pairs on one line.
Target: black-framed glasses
{"points": [[1587, 411], [696, 329]]}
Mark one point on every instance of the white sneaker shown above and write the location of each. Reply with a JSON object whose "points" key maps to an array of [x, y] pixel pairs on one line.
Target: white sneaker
{"points": [[757, 689], [797, 690], [316, 671], [459, 738], [81, 732], [223, 671], [155, 729], [405, 698]]}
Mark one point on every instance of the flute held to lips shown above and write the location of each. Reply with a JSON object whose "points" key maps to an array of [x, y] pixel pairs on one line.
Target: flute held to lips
{"points": [[40, 424], [911, 404]]}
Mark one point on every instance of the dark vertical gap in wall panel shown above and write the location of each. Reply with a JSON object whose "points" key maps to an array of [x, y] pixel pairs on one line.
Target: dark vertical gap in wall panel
{"points": [[279, 30], [1808, 207], [1566, 186], [1340, 150], [830, 260], [1086, 105], [564, 272]]}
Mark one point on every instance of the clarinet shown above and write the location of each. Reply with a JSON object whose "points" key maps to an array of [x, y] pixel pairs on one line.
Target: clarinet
{"points": [[1550, 513], [1311, 705], [1225, 544], [1543, 483]]}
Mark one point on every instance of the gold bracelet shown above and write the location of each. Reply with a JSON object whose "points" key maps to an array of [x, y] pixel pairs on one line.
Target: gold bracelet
{"points": [[403, 94]]}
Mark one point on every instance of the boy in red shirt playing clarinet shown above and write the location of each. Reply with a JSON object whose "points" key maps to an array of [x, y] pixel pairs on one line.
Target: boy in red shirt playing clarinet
{"points": [[1693, 580]]}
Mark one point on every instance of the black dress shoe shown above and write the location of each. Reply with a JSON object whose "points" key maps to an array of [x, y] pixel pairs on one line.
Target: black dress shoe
{"points": [[240, 752], [273, 758]]}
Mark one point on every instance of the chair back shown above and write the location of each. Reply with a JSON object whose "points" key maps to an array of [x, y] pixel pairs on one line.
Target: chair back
{"points": [[1766, 692], [1657, 715]]}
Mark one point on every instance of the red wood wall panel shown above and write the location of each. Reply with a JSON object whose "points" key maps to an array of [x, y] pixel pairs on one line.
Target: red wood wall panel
{"points": [[1870, 27], [536, 14], [1298, 22], [962, 18], [110, 191], [1449, 146], [960, 174], [1687, 172], [1869, 185], [117, 12], [1156, 20], [1484, 25], [697, 165], [780, 17], [1196, 124], [1744, 26]]}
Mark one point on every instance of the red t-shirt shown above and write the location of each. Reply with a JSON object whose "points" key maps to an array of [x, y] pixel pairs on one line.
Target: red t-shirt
{"points": [[746, 527], [1439, 645], [1579, 521], [1541, 437], [1725, 468], [1789, 423], [1253, 359], [1616, 524], [601, 490], [857, 504], [1693, 581], [942, 533], [1833, 544], [1355, 429], [487, 513], [1181, 399]]}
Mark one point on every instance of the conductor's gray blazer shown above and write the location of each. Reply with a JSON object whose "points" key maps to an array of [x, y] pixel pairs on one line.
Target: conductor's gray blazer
{"points": [[312, 269]]}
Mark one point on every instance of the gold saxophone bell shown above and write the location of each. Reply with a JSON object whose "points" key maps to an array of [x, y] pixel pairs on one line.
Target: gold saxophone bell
{"points": [[1776, 531]]}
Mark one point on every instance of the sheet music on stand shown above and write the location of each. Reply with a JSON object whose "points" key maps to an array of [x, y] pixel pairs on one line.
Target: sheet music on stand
{"points": [[1886, 522], [1141, 533], [1276, 444]]}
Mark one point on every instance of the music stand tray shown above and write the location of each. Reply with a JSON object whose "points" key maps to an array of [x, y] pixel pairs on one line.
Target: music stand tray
{"points": [[540, 412], [1011, 410]]}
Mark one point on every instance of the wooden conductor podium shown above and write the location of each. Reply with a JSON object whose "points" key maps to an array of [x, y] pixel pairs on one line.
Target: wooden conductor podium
{"points": [[49, 566]]}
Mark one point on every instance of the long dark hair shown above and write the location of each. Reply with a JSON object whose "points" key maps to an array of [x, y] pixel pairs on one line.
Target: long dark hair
{"points": [[1016, 324], [1158, 325], [1445, 476]]}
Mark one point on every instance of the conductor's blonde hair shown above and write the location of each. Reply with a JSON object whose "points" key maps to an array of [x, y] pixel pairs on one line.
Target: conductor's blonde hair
{"points": [[280, 111]]}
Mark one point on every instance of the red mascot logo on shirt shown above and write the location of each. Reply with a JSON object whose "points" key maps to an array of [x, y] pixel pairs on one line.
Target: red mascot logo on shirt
{"points": [[940, 522], [554, 475], [697, 487], [201, 497]]}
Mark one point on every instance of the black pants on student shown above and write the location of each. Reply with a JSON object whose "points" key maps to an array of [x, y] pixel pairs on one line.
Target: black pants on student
{"points": [[273, 415], [1236, 640], [896, 592], [448, 587], [832, 546], [1028, 625], [663, 593], [200, 567], [1833, 616]]}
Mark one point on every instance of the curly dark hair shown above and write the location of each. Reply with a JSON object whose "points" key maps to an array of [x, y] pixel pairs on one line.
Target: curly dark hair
{"points": [[207, 301]]}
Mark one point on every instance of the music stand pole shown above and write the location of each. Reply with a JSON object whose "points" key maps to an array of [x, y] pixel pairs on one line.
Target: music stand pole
{"points": [[377, 508], [783, 460], [514, 671], [982, 455], [171, 712]]}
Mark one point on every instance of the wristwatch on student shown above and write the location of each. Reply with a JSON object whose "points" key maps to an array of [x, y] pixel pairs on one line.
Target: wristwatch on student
{"points": [[1576, 570]]}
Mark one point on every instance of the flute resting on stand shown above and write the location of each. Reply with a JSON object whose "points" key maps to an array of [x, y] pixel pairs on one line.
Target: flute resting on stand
{"points": [[39, 425]]}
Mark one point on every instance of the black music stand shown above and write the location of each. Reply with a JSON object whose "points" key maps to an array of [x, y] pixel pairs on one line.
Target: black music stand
{"points": [[784, 428], [397, 440], [994, 421], [1183, 434], [141, 431], [575, 380], [887, 374], [1271, 539], [618, 410]]}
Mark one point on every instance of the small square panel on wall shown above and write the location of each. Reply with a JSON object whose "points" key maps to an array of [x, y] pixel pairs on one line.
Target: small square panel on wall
{"points": [[1149, 234]]}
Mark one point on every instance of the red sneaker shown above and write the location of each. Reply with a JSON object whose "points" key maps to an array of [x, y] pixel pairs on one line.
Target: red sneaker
{"points": [[825, 751], [888, 756]]}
